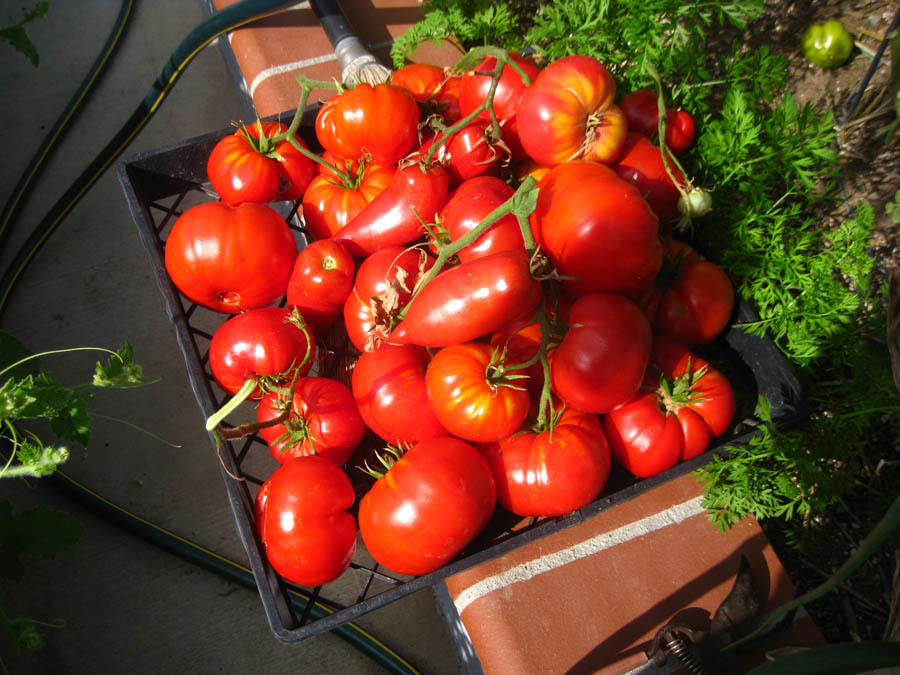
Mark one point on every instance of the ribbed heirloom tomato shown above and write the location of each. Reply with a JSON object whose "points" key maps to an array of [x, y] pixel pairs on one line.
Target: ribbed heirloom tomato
{"points": [[597, 229], [323, 420], [302, 520], [684, 402], [376, 121], [472, 396], [230, 258], [568, 113], [550, 474], [242, 168], [428, 506], [329, 203], [389, 389]]}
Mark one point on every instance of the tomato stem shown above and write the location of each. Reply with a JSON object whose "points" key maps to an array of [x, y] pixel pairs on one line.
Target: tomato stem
{"points": [[231, 405], [474, 57], [515, 204], [306, 86]]}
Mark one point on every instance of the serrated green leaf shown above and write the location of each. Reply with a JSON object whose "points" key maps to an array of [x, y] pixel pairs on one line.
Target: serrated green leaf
{"points": [[72, 422], [19, 40], [120, 370]]}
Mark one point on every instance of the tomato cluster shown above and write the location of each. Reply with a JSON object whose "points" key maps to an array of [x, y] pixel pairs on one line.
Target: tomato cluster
{"points": [[492, 252]]}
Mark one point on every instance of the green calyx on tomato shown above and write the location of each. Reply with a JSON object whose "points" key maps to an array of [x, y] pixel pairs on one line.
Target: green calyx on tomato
{"points": [[828, 45]]}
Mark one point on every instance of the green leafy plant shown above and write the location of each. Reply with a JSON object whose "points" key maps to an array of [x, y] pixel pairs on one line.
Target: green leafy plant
{"points": [[16, 36], [27, 394], [30, 394]]}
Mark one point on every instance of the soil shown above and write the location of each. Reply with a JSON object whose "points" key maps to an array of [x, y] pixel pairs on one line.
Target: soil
{"points": [[859, 609]]}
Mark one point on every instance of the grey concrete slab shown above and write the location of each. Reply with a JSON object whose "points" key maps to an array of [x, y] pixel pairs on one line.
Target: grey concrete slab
{"points": [[129, 606]]}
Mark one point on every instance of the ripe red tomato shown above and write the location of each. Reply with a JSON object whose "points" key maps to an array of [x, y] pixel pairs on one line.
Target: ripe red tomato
{"points": [[323, 420], [230, 258], [684, 402], [382, 287], [568, 113], [240, 172], [641, 164], [320, 283], [472, 201], [596, 228], [642, 112], [432, 502], [328, 204], [474, 88], [302, 520], [603, 356], [692, 299], [421, 80], [263, 343], [469, 301], [472, 399], [355, 123], [549, 474], [394, 217], [389, 389]]}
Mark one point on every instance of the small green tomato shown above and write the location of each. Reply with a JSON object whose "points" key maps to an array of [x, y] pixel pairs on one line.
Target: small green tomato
{"points": [[828, 45]]}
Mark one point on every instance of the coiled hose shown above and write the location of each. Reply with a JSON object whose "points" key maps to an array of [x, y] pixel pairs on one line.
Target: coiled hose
{"points": [[219, 23]]}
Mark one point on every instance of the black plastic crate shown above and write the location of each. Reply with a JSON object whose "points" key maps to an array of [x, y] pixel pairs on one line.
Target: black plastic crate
{"points": [[159, 186]]}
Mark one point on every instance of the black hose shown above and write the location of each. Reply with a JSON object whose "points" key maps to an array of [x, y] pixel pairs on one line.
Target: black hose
{"points": [[221, 22], [21, 192]]}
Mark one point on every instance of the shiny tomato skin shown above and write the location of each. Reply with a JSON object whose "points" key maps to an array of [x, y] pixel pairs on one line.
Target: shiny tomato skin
{"points": [[714, 399], [642, 438], [641, 164], [473, 91], [260, 342], [432, 502], [323, 417], [382, 287], [680, 131], [469, 204], [467, 404], [240, 174], [394, 217], [568, 113], [654, 431], [596, 228], [302, 521], [539, 474], [355, 124], [642, 112], [389, 389], [601, 360], [328, 204], [697, 306], [320, 282], [470, 153], [469, 301], [230, 259], [421, 80]]}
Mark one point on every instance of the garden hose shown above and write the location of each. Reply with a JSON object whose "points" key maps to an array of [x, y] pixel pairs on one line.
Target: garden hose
{"points": [[219, 23], [229, 569], [23, 188]]}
